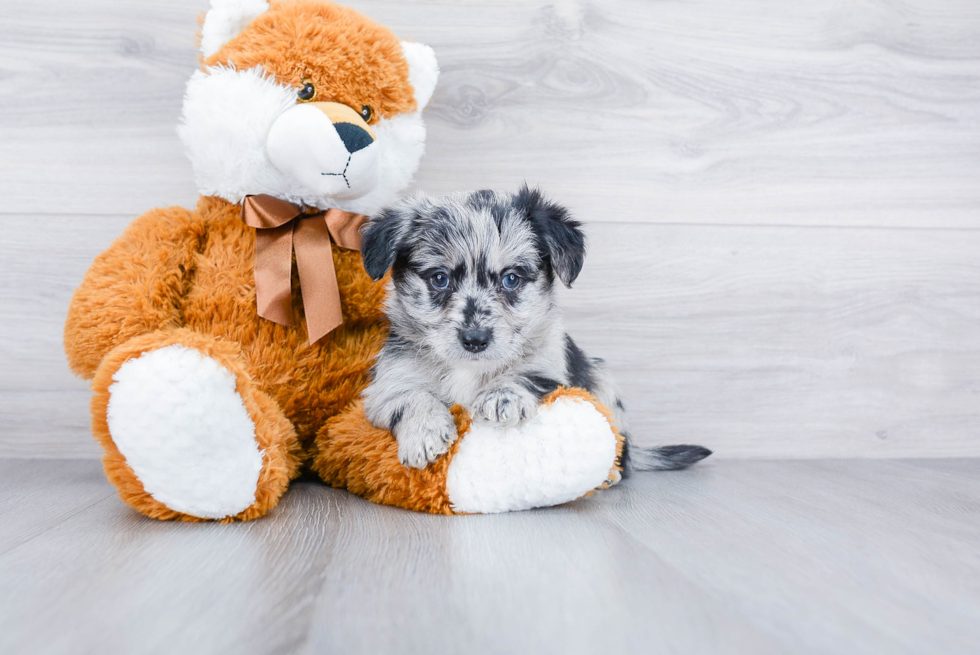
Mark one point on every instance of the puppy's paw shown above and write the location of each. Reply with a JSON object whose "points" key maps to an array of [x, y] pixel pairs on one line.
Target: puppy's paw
{"points": [[505, 406], [424, 433]]}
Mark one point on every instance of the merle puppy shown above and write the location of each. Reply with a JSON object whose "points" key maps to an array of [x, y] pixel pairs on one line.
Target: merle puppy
{"points": [[474, 320]]}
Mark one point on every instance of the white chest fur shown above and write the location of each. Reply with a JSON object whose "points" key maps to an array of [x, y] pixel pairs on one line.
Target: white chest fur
{"points": [[462, 382]]}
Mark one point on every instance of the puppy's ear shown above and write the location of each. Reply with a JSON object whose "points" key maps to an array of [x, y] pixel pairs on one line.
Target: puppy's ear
{"points": [[383, 235], [560, 237]]}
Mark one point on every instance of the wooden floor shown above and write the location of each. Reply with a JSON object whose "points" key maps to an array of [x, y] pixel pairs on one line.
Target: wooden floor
{"points": [[820, 556]]}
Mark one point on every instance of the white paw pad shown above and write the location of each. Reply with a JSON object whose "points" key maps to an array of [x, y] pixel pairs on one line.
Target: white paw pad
{"points": [[175, 416], [562, 453]]}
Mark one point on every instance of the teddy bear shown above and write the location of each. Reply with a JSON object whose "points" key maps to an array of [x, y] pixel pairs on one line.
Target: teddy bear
{"points": [[227, 345]]}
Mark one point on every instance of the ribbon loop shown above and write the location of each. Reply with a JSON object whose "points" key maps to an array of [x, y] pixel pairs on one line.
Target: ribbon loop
{"points": [[345, 228], [282, 227]]}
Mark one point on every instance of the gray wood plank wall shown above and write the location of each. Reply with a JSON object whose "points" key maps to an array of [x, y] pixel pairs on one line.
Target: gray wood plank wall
{"points": [[783, 199]]}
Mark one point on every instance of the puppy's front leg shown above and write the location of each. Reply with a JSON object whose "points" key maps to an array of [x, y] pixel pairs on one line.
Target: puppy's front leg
{"points": [[506, 404], [422, 425], [400, 399], [425, 430]]}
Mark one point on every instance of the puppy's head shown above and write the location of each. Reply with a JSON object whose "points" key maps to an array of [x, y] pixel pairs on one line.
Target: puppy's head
{"points": [[473, 273]]}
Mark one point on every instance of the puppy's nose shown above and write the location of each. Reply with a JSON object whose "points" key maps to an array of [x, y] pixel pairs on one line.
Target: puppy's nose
{"points": [[475, 340], [354, 136]]}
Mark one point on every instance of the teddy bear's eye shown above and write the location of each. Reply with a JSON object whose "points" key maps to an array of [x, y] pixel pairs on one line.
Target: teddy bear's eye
{"points": [[366, 113], [307, 93]]}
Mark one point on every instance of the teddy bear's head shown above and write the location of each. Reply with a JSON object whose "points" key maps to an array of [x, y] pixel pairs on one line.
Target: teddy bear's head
{"points": [[307, 101]]}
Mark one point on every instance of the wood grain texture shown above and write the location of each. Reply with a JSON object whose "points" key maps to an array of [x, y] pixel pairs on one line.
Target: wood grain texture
{"points": [[755, 341], [816, 114], [37, 495], [725, 157], [789, 342], [736, 557]]}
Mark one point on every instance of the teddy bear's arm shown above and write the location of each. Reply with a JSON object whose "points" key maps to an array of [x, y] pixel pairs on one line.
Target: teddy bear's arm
{"points": [[134, 287]]}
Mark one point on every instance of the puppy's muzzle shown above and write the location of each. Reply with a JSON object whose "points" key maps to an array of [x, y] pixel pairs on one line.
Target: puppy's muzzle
{"points": [[475, 340]]}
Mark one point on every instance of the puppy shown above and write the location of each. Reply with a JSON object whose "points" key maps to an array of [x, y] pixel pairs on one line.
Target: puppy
{"points": [[474, 320]]}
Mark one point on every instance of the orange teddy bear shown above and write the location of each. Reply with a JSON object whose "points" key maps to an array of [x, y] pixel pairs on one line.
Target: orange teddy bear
{"points": [[227, 345]]}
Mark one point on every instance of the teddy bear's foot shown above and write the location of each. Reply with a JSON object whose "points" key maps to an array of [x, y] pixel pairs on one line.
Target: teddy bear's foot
{"points": [[569, 449], [187, 434], [175, 416], [564, 452]]}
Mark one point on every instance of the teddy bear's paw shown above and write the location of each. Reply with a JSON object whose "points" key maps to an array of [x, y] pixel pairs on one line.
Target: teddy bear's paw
{"points": [[562, 453], [176, 417], [504, 406], [425, 432]]}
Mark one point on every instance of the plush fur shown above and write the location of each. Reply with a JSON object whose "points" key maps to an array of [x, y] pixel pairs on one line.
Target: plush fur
{"points": [[186, 277], [275, 435], [572, 451], [475, 321], [226, 19], [176, 416], [246, 133], [174, 297], [568, 445], [349, 58]]}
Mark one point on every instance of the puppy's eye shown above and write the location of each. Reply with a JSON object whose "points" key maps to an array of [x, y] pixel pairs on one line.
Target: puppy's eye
{"points": [[511, 281], [307, 93], [439, 281], [366, 113]]}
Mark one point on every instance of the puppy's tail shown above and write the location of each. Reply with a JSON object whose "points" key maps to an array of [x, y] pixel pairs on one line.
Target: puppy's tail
{"points": [[663, 458]]}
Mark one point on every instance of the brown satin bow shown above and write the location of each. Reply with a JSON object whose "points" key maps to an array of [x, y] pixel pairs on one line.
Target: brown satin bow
{"points": [[281, 227]]}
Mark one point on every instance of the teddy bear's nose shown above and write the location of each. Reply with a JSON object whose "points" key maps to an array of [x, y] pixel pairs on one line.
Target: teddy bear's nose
{"points": [[354, 137], [351, 128]]}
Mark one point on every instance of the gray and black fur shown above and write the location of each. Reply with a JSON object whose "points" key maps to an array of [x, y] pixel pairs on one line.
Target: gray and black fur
{"points": [[474, 320]]}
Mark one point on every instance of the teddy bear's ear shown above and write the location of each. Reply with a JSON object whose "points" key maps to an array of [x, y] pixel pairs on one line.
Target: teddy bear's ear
{"points": [[225, 20], [423, 71]]}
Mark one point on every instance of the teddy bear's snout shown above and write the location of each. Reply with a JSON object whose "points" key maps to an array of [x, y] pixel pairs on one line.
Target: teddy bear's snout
{"points": [[327, 147], [351, 128]]}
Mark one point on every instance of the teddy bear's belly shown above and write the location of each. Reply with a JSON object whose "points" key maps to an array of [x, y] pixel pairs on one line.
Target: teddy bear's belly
{"points": [[310, 382]]}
